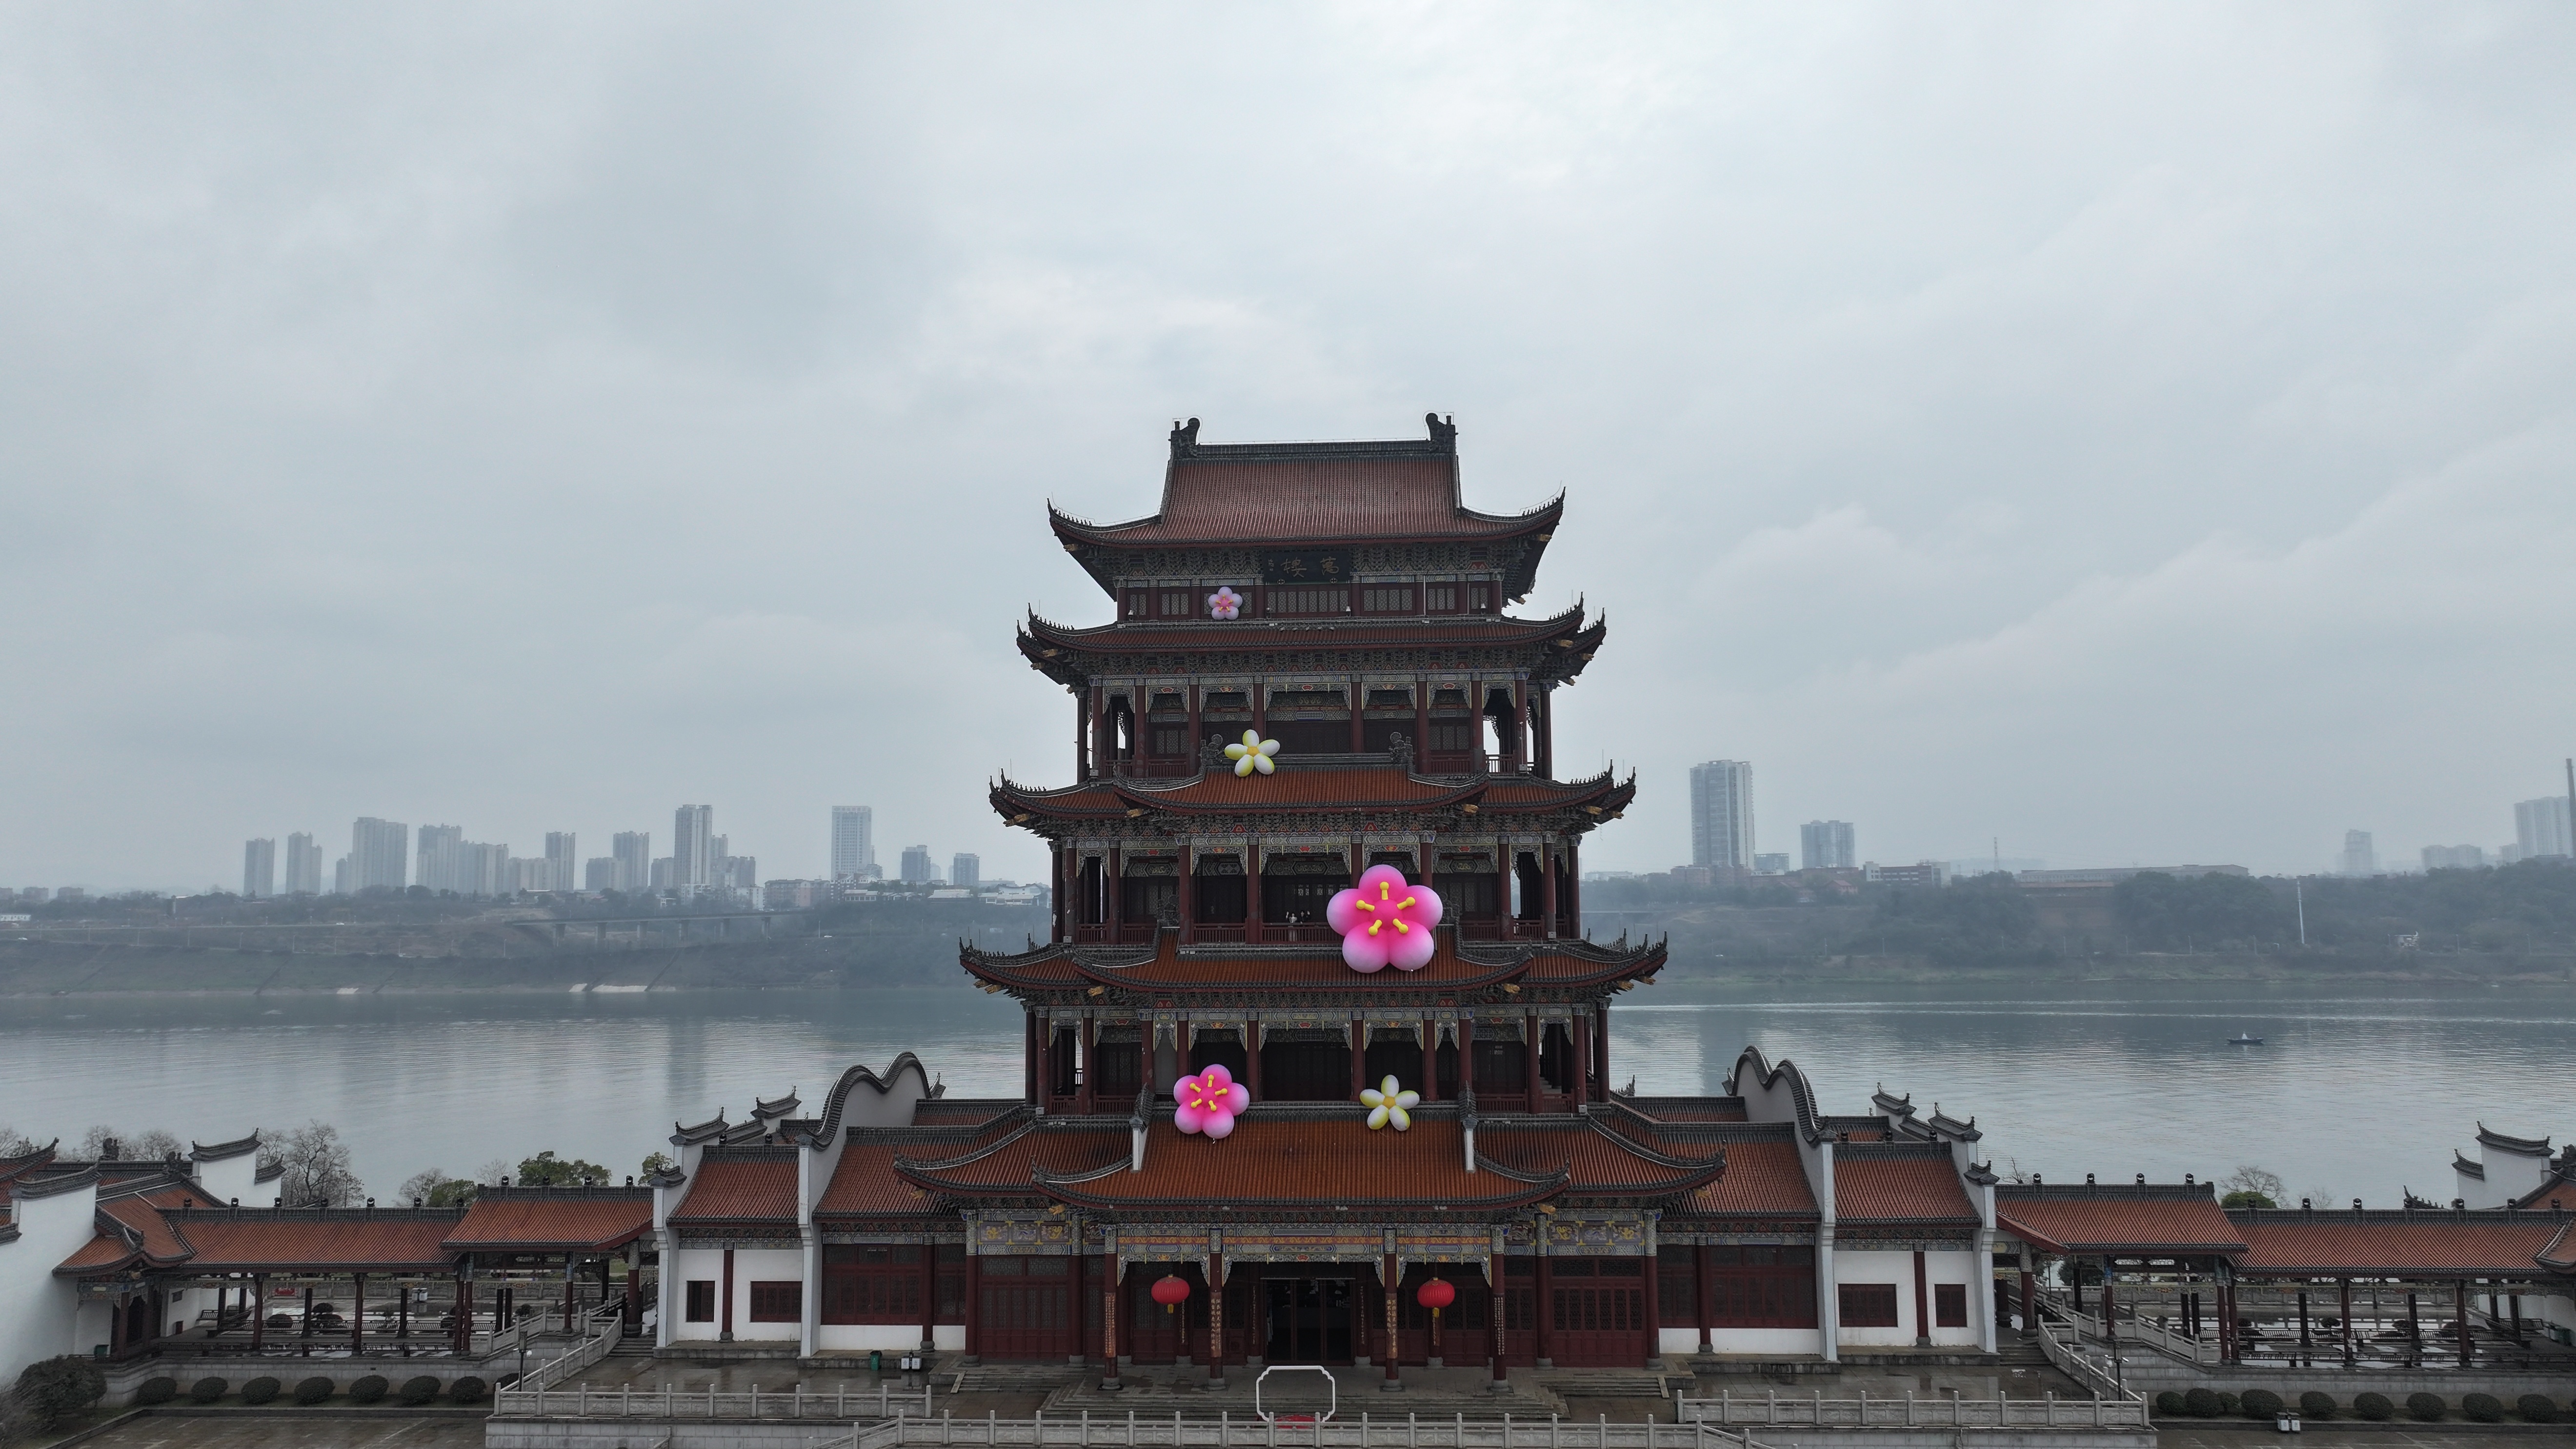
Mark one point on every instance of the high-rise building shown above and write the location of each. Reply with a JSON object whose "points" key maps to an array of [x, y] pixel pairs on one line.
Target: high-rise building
{"points": [[633, 852], [665, 873], [2359, 857], [916, 865], [599, 873], [1826, 845], [259, 868], [442, 859], [1722, 814], [693, 855], [303, 865], [376, 854], [2540, 827], [2454, 857], [485, 870], [854, 846], [560, 864], [965, 870], [344, 876], [1776, 864]]}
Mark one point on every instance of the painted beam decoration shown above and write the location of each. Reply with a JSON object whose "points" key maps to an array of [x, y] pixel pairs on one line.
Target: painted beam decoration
{"points": [[1306, 566]]}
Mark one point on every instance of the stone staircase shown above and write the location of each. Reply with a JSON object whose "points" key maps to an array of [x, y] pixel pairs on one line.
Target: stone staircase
{"points": [[1613, 1383], [1446, 1394], [1008, 1378]]}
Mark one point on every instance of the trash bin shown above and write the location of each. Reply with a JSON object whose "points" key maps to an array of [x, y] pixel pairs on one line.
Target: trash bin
{"points": [[876, 1360]]}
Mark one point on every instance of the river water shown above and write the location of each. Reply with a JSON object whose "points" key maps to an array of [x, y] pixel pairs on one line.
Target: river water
{"points": [[2354, 1094]]}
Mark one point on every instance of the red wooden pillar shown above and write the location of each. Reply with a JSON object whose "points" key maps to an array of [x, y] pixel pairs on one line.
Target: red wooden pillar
{"points": [[1114, 909], [1087, 1100], [1359, 1058], [1573, 888], [974, 1308], [1700, 1295], [357, 1314], [1029, 1054], [1216, 1318], [724, 1328], [929, 1289], [1359, 711], [1430, 1060], [1494, 1315], [1389, 1278], [1517, 748], [2029, 1304], [1189, 909], [1252, 1056], [1582, 1044], [1654, 1312], [1261, 708], [2343, 1291], [1533, 1032], [462, 1331], [1422, 726], [1922, 1303], [1601, 1045], [1466, 1057], [2460, 1316], [1502, 892], [1056, 896], [1040, 1061], [1546, 1309], [1198, 744], [1109, 1304], [1547, 893], [2110, 1323], [259, 1315]]}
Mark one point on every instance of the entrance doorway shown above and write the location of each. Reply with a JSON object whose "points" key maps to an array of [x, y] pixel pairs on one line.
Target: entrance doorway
{"points": [[1309, 1320]]}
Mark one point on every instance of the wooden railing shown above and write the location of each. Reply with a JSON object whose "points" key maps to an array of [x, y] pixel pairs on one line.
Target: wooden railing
{"points": [[585, 1402]]}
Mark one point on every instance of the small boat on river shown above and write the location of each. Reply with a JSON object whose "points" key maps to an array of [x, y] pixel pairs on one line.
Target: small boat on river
{"points": [[2245, 1039]]}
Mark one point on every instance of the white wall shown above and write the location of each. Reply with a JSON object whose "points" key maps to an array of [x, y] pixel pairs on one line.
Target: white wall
{"points": [[749, 1265], [1801, 1342], [36, 1308]]}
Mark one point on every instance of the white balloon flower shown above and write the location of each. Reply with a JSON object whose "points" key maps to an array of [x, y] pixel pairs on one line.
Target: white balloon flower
{"points": [[1253, 754], [1388, 1103]]}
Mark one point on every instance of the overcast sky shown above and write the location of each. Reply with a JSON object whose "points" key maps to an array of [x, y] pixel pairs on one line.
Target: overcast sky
{"points": [[2123, 434]]}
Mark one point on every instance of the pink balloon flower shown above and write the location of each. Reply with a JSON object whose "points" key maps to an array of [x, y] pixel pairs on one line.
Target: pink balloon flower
{"points": [[1225, 603], [1208, 1102], [1384, 922]]}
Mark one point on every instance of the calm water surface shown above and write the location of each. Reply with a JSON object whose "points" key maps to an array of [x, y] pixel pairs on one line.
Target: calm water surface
{"points": [[2355, 1095]]}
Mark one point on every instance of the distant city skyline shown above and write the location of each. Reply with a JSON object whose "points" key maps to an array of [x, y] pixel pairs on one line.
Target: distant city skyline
{"points": [[1721, 814]]}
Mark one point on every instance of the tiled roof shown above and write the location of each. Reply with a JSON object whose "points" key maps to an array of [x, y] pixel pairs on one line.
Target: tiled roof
{"points": [[961, 1111], [142, 1212], [1013, 1161], [1690, 1109], [1345, 630], [1301, 788], [518, 1218], [1166, 968], [1762, 1177], [2560, 1254], [96, 1254], [222, 1240], [1915, 1187], [2392, 1243], [741, 1188], [1278, 496], [865, 1183], [1596, 1160], [2073, 1220], [1309, 1163]]}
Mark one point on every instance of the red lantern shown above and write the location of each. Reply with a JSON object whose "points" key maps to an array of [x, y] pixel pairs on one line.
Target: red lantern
{"points": [[1436, 1294], [1171, 1292]]}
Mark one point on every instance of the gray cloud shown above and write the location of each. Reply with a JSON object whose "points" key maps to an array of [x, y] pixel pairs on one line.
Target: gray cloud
{"points": [[2138, 432]]}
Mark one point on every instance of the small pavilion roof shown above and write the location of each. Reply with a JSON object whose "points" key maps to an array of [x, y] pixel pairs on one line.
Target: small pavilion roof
{"points": [[553, 1219], [272, 1240], [1901, 1184], [747, 1184], [2155, 1219], [2394, 1243], [1166, 969]]}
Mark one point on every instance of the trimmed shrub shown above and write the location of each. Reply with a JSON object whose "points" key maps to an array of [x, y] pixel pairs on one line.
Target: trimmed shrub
{"points": [[420, 1390], [2374, 1407], [469, 1390], [260, 1390], [2169, 1405], [2426, 1408], [313, 1390], [156, 1391], [55, 1391], [2485, 1408], [2228, 1404], [368, 1390], [2201, 1404], [2259, 1404], [2314, 1405], [2536, 1408], [208, 1389]]}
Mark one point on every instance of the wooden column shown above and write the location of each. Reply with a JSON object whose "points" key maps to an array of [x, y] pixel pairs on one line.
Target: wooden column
{"points": [[2343, 1292], [1494, 1314], [725, 1314], [2110, 1325], [1060, 907], [1198, 745], [1188, 896], [1359, 1057], [1431, 1061], [1081, 739], [1043, 1048], [1216, 1317], [2460, 1316], [1702, 1290], [1466, 1058], [1533, 1033], [1261, 708], [1087, 1097], [1389, 1277], [1546, 1306], [1422, 727], [1109, 1297], [1547, 893], [1580, 1039], [929, 1298], [259, 1315], [1502, 891], [462, 1331], [1601, 1044], [357, 1314], [1029, 1054], [1573, 888], [1923, 1303], [1654, 1311], [1252, 1056], [2029, 1303], [1113, 909], [975, 1300], [1359, 712], [1543, 747], [1518, 746]]}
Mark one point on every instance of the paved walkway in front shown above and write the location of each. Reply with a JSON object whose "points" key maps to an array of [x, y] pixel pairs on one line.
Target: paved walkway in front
{"points": [[241, 1431]]}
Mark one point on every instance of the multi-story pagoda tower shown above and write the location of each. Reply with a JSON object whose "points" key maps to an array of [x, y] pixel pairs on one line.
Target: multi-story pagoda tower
{"points": [[1342, 600]]}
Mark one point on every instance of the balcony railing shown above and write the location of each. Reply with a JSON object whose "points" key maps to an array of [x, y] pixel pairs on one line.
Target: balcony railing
{"points": [[1275, 933]]}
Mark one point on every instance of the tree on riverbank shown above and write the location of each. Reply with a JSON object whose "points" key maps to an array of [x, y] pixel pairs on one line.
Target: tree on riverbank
{"points": [[2164, 912], [547, 1170], [316, 1166]]}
